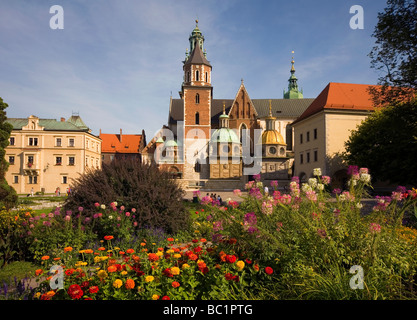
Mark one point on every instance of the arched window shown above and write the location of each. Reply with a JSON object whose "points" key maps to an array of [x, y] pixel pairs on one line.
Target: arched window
{"points": [[244, 134], [197, 118], [197, 166], [197, 75], [197, 98]]}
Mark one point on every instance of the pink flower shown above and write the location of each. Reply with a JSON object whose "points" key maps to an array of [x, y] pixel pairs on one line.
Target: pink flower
{"points": [[127, 214], [133, 210], [67, 218], [375, 228], [237, 192], [96, 204], [274, 183]]}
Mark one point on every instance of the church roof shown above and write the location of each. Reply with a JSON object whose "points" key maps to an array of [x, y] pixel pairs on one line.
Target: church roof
{"points": [[281, 108], [197, 57], [120, 143], [341, 96]]}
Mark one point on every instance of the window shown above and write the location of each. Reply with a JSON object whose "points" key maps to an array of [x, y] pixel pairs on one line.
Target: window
{"points": [[301, 138], [12, 141], [197, 98], [58, 142], [197, 118], [58, 161], [315, 134], [315, 155], [64, 179], [16, 179], [11, 159], [188, 76], [30, 160], [207, 77], [197, 166], [197, 75], [71, 161], [301, 158], [308, 136], [71, 142], [33, 179], [33, 141], [308, 157]]}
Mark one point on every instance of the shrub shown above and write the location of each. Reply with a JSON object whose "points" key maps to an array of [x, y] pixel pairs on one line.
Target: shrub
{"points": [[157, 198]]}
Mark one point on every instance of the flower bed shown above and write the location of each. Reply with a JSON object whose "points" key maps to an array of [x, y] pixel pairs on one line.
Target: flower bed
{"points": [[306, 244]]}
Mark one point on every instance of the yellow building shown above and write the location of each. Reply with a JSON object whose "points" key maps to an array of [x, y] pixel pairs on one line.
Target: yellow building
{"points": [[46, 154], [321, 131]]}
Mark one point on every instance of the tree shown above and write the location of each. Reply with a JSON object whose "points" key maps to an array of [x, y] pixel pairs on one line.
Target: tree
{"points": [[8, 196], [395, 51], [386, 143]]}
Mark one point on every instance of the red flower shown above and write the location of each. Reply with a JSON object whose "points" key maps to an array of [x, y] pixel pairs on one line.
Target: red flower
{"points": [[108, 237], [167, 272], [248, 261], [194, 240], [269, 270], [69, 272], [75, 291], [204, 269], [197, 249], [85, 284], [170, 239], [93, 289], [231, 258], [228, 276], [175, 284], [165, 298]]}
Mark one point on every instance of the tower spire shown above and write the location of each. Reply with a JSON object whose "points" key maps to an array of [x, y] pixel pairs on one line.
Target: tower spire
{"points": [[293, 92]]}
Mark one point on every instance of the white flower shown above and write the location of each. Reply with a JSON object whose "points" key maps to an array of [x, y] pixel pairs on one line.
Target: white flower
{"points": [[259, 185], [306, 188], [103, 206], [359, 205], [320, 186], [317, 171], [365, 177], [312, 182], [110, 217]]}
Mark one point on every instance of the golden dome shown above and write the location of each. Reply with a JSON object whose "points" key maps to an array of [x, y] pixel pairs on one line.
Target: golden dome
{"points": [[272, 137]]}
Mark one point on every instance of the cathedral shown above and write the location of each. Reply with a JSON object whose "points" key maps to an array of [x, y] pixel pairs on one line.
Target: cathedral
{"points": [[222, 143]]}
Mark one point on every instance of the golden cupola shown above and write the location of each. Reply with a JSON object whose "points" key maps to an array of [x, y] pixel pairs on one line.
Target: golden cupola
{"points": [[273, 144]]}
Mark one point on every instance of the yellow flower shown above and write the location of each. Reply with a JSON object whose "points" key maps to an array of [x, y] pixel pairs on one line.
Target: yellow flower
{"points": [[185, 266], [123, 273], [170, 251], [177, 256], [175, 271], [37, 295], [159, 253], [240, 265], [154, 297], [117, 283], [149, 279], [102, 274]]}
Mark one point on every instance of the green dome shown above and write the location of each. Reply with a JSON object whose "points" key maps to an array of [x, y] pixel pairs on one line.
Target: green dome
{"points": [[171, 143], [224, 135]]}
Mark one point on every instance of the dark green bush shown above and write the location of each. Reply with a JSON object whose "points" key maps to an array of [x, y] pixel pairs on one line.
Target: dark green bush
{"points": [[156, 197]]}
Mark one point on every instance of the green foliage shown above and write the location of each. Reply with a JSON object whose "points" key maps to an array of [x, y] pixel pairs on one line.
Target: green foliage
{"points": [[8, 196], [386, 143], [157, 198], [396, 44]]}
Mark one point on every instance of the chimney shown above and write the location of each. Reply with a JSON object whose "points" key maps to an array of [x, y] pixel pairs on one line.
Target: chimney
{"points": [[120, 135], [62, 119]]}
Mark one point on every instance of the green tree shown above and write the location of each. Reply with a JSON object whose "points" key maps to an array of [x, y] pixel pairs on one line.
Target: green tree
{"points": [[395, 52], [8, 196], [386, 143]]}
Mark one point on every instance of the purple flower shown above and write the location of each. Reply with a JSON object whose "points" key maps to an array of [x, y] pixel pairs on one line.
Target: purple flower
{"points": [[337, 191], [80, 209]]}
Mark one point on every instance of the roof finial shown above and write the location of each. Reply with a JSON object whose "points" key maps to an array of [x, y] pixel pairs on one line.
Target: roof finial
{"points": [[270, 107], [292, 62], [224, 107], [196, 22]]}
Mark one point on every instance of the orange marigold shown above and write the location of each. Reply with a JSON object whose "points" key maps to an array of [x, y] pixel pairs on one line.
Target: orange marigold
{"points": [[153, 257], [108, 238], [112, 268], [67, 249], [38, 272], [129, 251], [130, 284], [175, 284], [45, 258]]}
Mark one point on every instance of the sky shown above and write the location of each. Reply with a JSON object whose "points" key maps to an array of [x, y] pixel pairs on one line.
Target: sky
{"points": [[116, 63]]}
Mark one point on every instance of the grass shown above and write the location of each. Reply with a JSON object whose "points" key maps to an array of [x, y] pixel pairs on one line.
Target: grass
{"points": [[18, 269]]}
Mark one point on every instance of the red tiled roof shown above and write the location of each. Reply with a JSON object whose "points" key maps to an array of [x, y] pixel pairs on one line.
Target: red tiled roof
{"points": [[120, 143], [341, 96]]}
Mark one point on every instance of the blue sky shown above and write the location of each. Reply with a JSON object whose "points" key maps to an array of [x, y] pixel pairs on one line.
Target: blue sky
{"points": [[117, 63]]}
